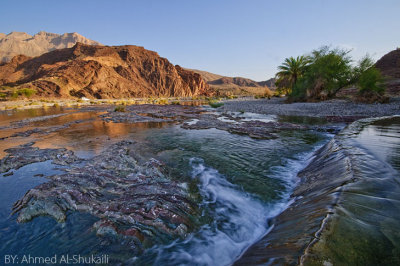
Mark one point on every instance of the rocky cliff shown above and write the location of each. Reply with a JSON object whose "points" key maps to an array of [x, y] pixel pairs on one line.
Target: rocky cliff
{"points": [[16, 43], [102, 72]]}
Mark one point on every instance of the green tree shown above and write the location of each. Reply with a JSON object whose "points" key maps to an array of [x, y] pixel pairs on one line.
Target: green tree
{"points": [[363, 65], [329, 70], [290, 71], [325, 71], [371, 80]]}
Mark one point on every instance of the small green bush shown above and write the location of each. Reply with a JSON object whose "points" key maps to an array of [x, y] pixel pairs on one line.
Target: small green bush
{"points": [[371, 81], [215, 104], [161, 101], [120, 108], [25, 92]]}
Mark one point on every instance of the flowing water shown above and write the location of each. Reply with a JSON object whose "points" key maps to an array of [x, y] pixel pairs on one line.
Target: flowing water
{"points": [[243, 184]]}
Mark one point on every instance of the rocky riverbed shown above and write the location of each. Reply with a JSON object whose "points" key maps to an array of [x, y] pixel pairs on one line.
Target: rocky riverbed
{"points": [[134, 199], [136, 183], [334, 110]]}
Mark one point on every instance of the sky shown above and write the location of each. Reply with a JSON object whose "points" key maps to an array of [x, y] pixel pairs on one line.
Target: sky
{"points": [[247, 38]]}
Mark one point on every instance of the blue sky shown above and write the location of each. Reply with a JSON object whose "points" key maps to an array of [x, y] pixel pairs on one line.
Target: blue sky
{"points": [[248, 38]]}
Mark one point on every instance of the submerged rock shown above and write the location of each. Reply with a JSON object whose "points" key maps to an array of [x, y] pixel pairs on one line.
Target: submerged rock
{"points": [[203, 120], [131, 198], [27, 154], [254, 129], [152, 113]]}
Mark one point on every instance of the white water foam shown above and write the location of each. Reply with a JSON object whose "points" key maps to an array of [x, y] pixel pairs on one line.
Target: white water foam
{"points": [[240, 219]]}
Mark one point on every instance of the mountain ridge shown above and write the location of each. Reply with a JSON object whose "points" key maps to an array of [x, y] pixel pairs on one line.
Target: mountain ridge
{"points": [[16, 43], [235, 85], [95, 71]]}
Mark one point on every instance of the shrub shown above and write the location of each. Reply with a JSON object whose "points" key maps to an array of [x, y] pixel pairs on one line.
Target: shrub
{"points": [[120, 108], [162, 101], [27, 92], [371, 81], [329, 71], [215, 104]]}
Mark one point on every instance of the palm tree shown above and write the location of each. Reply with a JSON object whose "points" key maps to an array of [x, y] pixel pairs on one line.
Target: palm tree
{"points": [[291, 70]]}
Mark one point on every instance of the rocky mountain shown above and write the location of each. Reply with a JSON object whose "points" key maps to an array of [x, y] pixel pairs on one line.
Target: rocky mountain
{"points": [[207, 76], [102, 72], [16, 43], [270, 83], [389, 65], [235, 85]]}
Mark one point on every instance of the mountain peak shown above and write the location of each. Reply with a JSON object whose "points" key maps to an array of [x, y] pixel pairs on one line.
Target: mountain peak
{"points": [[16, 43]]}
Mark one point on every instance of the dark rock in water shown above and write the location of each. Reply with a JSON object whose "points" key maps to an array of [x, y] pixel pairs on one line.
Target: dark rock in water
{"points": [[343, 119], [153, 113], [47, 130], [26, 154], [131, 198], [254, 129], [176, 113], [345, 210]]}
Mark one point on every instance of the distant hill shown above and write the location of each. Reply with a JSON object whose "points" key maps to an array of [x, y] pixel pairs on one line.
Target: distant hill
{"points": [[96, 71], [207, 76], [389, 65], [235, 85], [16, 43]]}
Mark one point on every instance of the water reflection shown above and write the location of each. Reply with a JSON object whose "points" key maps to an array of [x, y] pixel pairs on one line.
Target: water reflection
{"points": [[383, 140], [91, 138], [16, 115]]}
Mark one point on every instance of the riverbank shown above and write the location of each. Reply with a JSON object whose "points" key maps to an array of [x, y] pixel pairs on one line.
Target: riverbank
{"points": [[330, 109], [336, 110]]}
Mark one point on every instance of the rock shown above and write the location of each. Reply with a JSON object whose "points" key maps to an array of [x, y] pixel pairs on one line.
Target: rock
{"points": [[130, 198], [105, 227], [254, 129], [26, 154]]}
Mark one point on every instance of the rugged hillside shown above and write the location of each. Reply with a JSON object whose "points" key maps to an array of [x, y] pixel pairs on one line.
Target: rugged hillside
{"points": [[101, 72], [270, 83], [235, 85], [17, 43], [389, 65], [207, 76]]}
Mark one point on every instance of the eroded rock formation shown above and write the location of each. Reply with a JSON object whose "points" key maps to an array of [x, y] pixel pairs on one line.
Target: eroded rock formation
{"points": [[102, 72]]}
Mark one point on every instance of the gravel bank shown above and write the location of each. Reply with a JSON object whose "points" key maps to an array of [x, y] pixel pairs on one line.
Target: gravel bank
{"points": [[340, 108]]}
